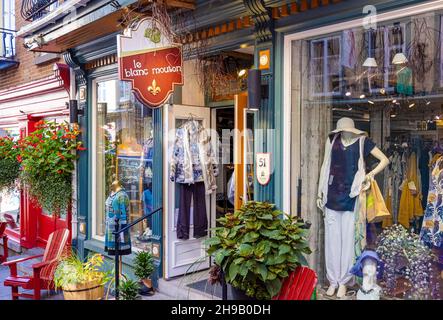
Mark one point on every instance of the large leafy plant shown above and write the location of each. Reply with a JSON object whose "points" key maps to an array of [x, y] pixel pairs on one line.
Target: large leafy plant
{"points": [[47, 156], [72, 270], [9, 162], [257, 247]]}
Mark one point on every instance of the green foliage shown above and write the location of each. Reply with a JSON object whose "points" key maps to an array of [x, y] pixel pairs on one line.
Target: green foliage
{"points": [[257, 248], [9, 164], [153, 34], [143, 265], [47, 157], [129, 290], [73, 270]]}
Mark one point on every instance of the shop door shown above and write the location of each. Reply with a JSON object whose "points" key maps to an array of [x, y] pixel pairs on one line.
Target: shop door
{"points": [[181, 256]]}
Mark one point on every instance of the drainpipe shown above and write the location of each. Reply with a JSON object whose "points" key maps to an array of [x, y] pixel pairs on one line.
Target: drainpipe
{"points": [[73, 109]]}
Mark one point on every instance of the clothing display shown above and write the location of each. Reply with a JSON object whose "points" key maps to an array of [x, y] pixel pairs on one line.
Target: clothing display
{"points": [[339, 246], [404, 81], [344, 165], [193, 159], [410, 200], [117, 207], [195, 192], [194, 168], [432, 228]]}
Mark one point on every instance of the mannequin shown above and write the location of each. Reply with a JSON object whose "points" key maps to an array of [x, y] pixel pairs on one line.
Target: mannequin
{"points": [[117, 209], [369, 267], [342, 179]]}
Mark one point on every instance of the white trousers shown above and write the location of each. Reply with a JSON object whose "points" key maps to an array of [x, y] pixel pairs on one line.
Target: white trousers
{"points": [[339, 246]]}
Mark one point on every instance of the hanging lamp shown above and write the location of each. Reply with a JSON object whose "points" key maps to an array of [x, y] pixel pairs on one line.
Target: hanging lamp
{"points": [[370, 61]]}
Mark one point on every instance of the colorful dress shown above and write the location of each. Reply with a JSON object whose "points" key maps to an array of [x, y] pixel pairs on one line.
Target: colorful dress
{"points": [[432, 229], [117, 206]]}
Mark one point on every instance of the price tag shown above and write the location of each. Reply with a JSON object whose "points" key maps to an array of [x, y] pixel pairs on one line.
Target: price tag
{"points": [[263, 168]]}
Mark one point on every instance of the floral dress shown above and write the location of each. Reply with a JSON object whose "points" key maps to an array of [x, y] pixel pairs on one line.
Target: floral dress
{"points": [[432, 229], [117, 205]]}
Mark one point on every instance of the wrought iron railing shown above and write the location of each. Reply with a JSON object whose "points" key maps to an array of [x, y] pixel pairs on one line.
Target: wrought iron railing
{"points": [[35, 9], [116, 234], [7, 43]]}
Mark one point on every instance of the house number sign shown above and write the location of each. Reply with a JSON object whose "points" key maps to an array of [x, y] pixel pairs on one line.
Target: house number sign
{"points": [[263, 168], [150, 61]]}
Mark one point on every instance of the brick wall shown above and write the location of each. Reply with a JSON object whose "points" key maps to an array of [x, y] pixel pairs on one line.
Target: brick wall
{"points": [[27, 70]]}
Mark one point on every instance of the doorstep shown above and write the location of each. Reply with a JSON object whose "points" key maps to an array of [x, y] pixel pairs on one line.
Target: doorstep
{"points": [[177, 288]]}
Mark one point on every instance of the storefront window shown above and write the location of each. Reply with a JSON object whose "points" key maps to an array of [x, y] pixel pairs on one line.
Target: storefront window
{"points": [[123, 153], [10, 199], [383, 83]]}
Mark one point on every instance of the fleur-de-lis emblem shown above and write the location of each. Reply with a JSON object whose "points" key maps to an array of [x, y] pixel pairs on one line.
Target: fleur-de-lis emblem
{"points": [[153, 88]]}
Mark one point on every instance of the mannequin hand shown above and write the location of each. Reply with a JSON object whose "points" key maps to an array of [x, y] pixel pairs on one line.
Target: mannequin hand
{"points": [[320, 204], [367, 182]]}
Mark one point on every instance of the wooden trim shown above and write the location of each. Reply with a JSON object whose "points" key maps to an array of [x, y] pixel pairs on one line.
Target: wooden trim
{"points": [[101, 62], [240, 104]]}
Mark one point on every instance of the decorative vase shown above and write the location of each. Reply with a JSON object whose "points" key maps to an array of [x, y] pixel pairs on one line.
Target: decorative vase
{"points": [[84, 291]]}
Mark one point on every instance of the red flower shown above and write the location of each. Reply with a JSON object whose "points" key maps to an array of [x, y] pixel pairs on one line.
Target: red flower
{"points": [[19, 158], [59, 171], [81, 148], [60, 156]]}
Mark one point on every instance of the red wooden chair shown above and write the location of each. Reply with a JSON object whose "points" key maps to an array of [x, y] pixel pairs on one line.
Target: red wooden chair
{"points": [[43, 272], [4, 237], [299, 285]]}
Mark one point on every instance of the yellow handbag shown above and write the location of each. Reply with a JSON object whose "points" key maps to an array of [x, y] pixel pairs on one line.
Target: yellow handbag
{"points": [[376, 209]]}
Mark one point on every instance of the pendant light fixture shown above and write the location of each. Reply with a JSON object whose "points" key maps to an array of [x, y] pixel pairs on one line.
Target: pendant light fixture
{"points": [[370, 61], [399, 57]]}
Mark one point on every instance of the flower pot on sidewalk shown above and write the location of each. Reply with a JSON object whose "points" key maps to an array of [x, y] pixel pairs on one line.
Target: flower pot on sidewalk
{"points": [[93, 290]]}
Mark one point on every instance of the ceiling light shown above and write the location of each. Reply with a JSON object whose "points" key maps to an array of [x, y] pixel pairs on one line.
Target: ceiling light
{"points": [[362, 96], [437, 117], [428, 103], [349, 107], [348, 93], [394, 101], [382, 91], [241, 73], [371, 102], [370, 62], [399, 58], [411, 105], [393, 115]]}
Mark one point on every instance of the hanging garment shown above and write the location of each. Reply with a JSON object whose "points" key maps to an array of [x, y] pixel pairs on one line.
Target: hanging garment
{"points": [[195, 192], [432, 228], [117, 206], [349, 58], [410, 200], [339, 246], [404, 81], [193, 158], [423, 165], [392, 191]]}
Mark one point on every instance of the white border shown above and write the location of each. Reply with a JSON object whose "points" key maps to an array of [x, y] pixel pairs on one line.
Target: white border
{"points": [[287, 61]]}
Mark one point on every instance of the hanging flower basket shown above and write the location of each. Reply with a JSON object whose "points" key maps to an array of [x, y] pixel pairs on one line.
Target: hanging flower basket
{"points": [[9, 164], [47, 156]]}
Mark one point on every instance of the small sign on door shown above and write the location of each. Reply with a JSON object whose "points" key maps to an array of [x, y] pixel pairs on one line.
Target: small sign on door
{"points": [[263, 168]]}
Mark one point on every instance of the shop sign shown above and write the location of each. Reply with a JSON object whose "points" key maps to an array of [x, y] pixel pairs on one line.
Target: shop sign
{"points": [[148, 59], [263, 168]]}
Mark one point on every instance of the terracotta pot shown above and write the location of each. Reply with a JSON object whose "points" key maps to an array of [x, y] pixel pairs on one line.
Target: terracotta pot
{"points": [[147, 282], [84, 291]]}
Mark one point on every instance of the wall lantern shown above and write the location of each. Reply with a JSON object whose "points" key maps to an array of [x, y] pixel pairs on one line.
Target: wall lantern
{"points": [[254, 89]]}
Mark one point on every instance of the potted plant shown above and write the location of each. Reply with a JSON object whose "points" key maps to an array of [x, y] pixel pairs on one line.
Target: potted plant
{"points": [[9, 162], [47, 157], [143, 268], [256, 247], [129, 290], [82, 280]]}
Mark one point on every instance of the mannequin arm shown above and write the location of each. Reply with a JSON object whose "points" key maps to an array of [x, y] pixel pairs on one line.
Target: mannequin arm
{"points": [[384, 161]]}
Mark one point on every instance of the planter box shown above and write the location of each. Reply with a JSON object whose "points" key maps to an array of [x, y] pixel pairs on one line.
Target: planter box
{"points": [[84, 291]]}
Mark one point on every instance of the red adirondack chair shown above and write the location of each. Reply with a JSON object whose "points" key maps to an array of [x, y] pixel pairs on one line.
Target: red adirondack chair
{"points": [[299, 285], [4, 237], [43, 272]]}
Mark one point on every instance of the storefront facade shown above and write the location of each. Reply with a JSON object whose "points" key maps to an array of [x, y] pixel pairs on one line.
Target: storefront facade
{"points": [[379, 66]]}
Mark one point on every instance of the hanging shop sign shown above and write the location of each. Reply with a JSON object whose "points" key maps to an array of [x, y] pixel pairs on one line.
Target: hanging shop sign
{"points": [[150, 60], [263, 168]]}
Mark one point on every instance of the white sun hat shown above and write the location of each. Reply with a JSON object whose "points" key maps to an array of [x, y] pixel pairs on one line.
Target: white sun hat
{"points": [[347, 125]]}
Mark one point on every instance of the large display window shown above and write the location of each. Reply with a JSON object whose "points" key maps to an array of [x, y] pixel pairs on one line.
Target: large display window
{"points": [[122, 155], [366, 108]]}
